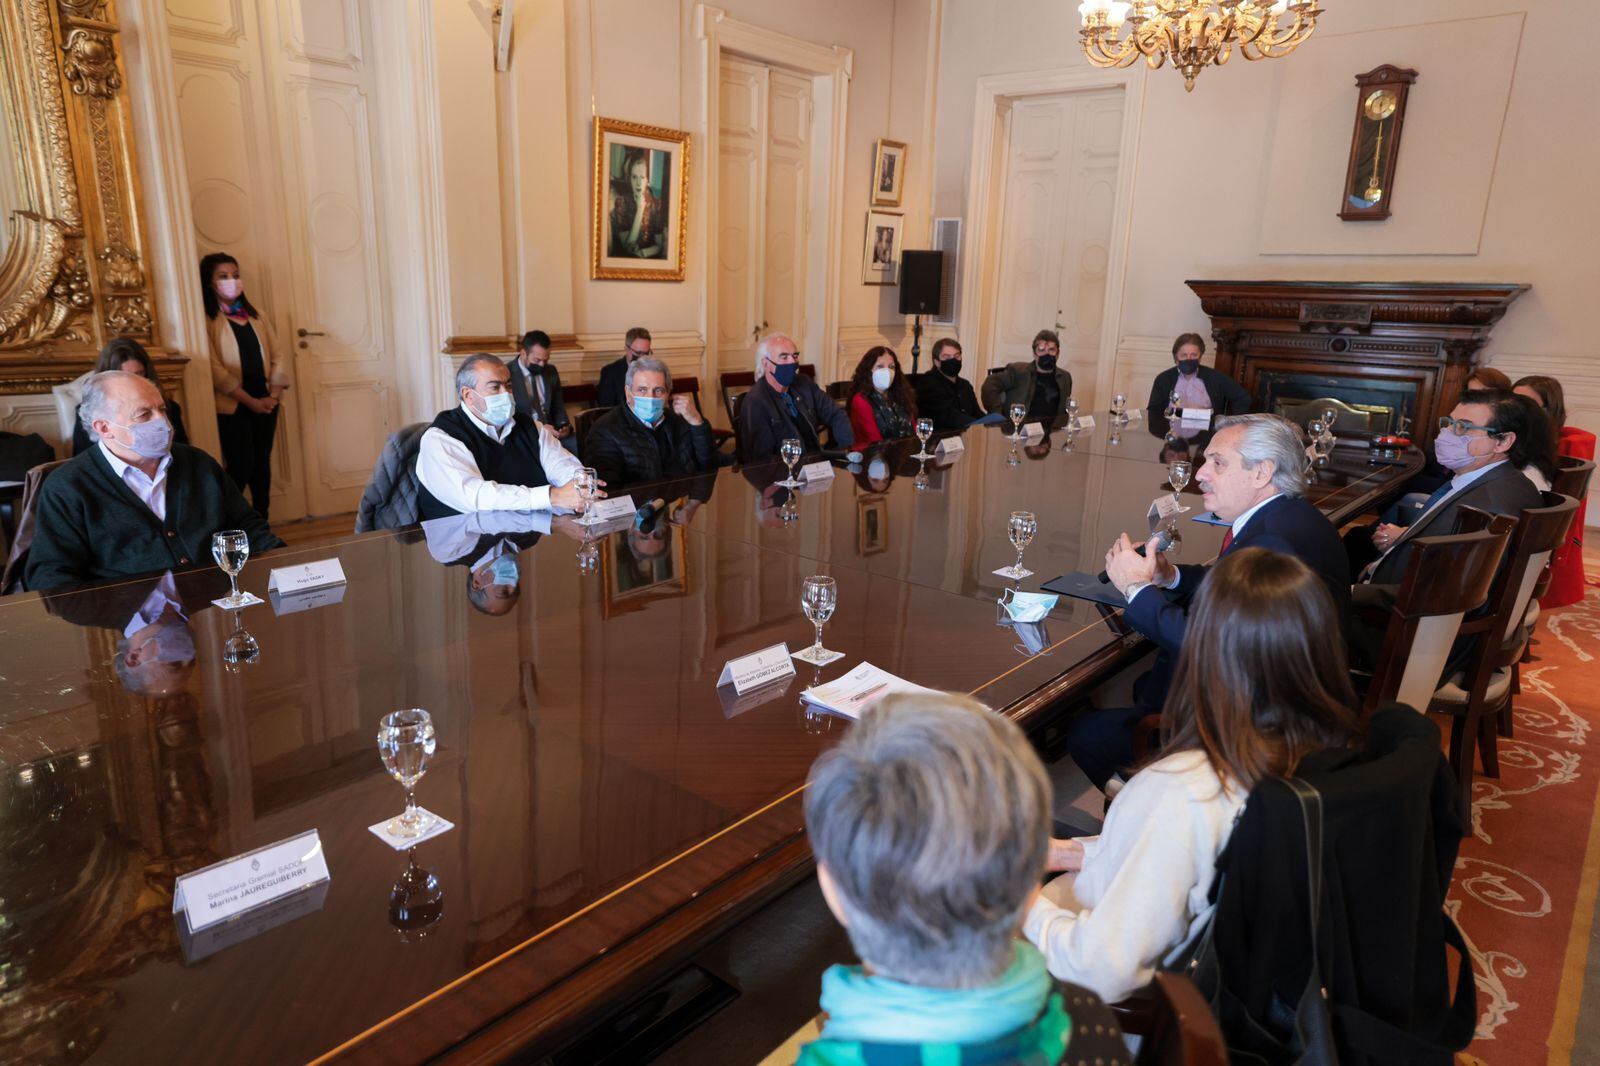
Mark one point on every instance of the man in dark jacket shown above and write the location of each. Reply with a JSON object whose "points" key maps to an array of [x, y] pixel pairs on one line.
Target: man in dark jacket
{"points": [[642, 440], [942, 393], [536, 387], [784, 405], [1198, 387], [135, 503], [611, 392], [1041, 386]]}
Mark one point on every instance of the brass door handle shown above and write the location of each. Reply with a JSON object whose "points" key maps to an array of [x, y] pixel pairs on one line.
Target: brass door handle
{"points": [[309, 333]]}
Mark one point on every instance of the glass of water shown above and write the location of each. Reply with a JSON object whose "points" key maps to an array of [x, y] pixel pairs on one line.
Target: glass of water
{"points": [[1178, 473], [924, 431], [406, 743], [1017, 413], [1073, 425], [1119, 407], [1020, 528], [1172, 403], [588, 557], [588, 483], [240, 649], [818, 597], [790, 452], [231, 549]]}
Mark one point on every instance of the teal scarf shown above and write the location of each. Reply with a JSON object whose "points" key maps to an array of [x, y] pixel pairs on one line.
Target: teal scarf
{"points": [[863, 1008]]}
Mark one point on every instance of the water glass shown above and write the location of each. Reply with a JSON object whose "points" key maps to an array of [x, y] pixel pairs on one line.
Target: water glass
{"points": [[588, 558], [416, 902], [1172, 403], [1073, 425], [588, 483], [1020, 528], [924, 431], [1017, 412], [240, 649], [231, 549], [1119, 407], [818, 598], [790, 452], [405, 743], [1178, 473]]}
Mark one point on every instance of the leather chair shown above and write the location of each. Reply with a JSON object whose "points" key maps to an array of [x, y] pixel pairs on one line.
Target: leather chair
{"points": [[1479, 696], [17, 559]]}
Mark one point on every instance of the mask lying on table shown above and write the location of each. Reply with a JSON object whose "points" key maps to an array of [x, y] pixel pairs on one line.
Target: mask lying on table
{"points": [[1027, 606], [1034, 637]]}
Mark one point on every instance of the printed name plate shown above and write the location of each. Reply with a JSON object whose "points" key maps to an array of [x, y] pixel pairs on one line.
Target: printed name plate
{"points": [[757, 669], [306, 576], [1133, 414], [304, 601], [817, 471], [229, 888], [1197, 416], [1033, 429], [1085, 423], [949, 446], [613, 507], [1162, 508]]}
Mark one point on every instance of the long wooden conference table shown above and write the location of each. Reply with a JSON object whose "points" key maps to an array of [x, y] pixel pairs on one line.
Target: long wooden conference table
{"points": [[612, 809]]}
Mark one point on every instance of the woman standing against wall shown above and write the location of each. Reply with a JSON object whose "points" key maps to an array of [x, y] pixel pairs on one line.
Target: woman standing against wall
{"points": [[248, 376]]}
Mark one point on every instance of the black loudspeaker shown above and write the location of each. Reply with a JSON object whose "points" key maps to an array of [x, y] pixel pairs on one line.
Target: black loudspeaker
{"points": [[920, 277]]}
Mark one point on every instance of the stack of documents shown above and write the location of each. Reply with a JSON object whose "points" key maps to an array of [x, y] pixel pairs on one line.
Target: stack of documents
{"points": [[856, 691]]}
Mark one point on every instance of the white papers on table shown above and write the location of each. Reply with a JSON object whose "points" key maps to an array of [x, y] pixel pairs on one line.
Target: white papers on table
{"points": [[857, 690]]}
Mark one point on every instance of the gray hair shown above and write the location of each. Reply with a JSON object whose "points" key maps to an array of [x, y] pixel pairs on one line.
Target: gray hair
{"points": [[467, 373], [932, 817], [96, 404], [1274, 439], [648, 364], [764, 347]]}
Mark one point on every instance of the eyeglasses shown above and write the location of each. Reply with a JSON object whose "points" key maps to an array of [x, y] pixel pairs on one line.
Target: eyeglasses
{"points": [[638, 354], [1461, 427]]}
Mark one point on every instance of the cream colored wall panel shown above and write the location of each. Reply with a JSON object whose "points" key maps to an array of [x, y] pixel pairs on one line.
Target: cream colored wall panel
{"points": [[34, 413], [218, 21], [327, 31], [215, 113], [346, 417]]}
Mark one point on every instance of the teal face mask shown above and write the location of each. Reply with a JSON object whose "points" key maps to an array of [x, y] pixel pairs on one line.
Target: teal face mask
{"points": [[498, 408], [1027, 606], [505, 570], [649, 408]]}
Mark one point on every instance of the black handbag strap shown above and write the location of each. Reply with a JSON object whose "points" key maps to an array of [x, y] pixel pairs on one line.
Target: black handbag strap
{"points": [[1311, 814]]}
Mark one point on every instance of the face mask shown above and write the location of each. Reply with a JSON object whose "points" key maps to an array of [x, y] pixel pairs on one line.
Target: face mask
{"points": [[1027, 606], [950, 367], [230, 288], [1452, 451], [1188, 367], [174, 643], [649, 408], [152, 439], [504, 570], [1046, 363], [878, 470], [1034, 637], [497, 409], [785, 373], [882, 378]]}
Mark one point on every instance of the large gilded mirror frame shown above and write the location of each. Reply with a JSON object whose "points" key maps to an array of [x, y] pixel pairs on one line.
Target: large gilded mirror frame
{"points": [[73, 274]]}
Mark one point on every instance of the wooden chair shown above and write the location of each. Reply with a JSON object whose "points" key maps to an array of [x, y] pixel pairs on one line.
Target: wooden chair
{"points": [[839, 392], [1183, 1031], [1479, 696], [734, 403], [1572, 479], [17, 558], [581, 395]]}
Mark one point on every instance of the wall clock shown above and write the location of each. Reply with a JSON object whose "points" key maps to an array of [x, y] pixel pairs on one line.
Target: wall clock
{"points": [[1375, 144]]}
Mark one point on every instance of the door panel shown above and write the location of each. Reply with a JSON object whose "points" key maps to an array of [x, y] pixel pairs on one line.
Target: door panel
{"points": [[788, 147], [742, 119]]}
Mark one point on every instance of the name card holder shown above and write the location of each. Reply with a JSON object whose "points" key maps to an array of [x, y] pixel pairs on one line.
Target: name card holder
{"points": [[949, 446], [235, 886], [1196, 416], [1032, 429], [304, 601], [1162, 508], [613, 507], [1085, 423], [757, 669], [305, 577], [820, 470]]}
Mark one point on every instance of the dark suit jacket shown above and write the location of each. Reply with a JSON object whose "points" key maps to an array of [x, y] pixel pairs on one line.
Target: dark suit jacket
{"points": [[613, 384], [623, 450], [1227, 395], [1503, 489], [1287, 524], [527, 397], [1014, 384], [951, 404], [764, 421], [92, 528]]}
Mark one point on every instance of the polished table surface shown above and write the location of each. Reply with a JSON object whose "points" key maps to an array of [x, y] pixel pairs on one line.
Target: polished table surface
{"points": [[611, 806]]}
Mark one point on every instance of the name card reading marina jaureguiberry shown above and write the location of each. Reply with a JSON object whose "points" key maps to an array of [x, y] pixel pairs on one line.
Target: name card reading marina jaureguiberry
{"points": [[756, 669], [229, 888], [306, 576]]}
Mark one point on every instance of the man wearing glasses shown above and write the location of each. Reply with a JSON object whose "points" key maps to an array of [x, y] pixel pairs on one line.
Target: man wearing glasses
{"points": [[612, 391], [783, 404]]}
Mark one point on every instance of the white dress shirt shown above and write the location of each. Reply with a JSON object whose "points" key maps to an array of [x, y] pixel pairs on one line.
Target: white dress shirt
{"points": [[152, 491], [447, 469], [451, 537], [162, 597]]}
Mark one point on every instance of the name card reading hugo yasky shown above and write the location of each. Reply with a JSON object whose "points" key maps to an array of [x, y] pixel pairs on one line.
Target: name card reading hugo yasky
{"points": [[306, 576], [820, 470], [756, 669], [231, 887]]}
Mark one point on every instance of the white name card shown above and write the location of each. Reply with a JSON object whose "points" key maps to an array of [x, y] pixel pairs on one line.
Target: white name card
{"points": [[1162, 508], [304, 601], [949, 446], [1033, 429], [1133, 414], [1085, 423], [233, 886], [1196, 416], [306, 576], [817, 471], [757, 669], [613, 507]]}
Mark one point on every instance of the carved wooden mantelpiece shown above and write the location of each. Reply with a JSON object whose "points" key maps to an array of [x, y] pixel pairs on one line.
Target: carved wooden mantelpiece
{"points": [[1425, 333]]}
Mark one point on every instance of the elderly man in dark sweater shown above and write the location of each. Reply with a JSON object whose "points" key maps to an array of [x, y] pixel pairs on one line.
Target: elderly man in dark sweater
{"points": [[135, 503], [653, 436]]}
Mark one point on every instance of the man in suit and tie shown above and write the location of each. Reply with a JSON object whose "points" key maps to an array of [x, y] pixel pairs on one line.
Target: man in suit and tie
{"points": [[536, 387], [612, 390], [1253, 479]]}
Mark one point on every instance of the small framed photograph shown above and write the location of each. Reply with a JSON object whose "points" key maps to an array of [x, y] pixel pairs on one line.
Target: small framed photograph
{"points": [[880, 260], [638, 568], [872, 524], [888, 173], [641, 202]]}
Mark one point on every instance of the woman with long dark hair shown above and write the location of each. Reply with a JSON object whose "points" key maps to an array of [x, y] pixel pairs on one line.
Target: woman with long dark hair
{"points": [[128, 355], [248, 376], [1258, 687], [1567, 578], [882, 405]]}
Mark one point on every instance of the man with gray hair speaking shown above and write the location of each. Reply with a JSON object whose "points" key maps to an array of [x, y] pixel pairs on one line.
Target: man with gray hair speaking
{"points": [[783, 405]]}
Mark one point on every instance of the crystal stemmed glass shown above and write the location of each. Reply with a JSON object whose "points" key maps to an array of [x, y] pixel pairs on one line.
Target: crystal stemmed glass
{"points": [[588, 557], [1119, 407], [1017, 413], [416, 902], [924, 431], [920, 482], [818, 597], [1178, 472], [230, 548], [240, 649], [588, 483], [1020, 528], [1073, 425], [405, 743], [1172, 403], [790, 451]]}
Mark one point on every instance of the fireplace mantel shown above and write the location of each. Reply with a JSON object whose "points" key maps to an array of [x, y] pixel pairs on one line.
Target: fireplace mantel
{"points": [[1419, 332]]}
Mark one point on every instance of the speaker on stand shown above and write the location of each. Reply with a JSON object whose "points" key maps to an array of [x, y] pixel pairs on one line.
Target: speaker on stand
{"points": [[920, 276]]}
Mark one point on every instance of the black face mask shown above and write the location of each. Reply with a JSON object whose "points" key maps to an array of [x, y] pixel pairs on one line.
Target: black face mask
{"points": [[1188, 367], [950, 367], [1046, 363]]}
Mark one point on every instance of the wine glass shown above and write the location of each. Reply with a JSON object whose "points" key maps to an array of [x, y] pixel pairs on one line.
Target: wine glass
{"points": [[240, 649], [924, 431], [1178, 472], [818, 597], [588, 482], [588, 557], [231, 548], [1073, 425], [1172, 403], [416, 902], [1017, 413], [921, 482], [1119, 407], [790, 452], [1020, 528], [405, 743]]}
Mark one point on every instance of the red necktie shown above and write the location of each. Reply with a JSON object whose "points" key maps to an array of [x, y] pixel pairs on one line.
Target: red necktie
{"points": [[1227, 539]]}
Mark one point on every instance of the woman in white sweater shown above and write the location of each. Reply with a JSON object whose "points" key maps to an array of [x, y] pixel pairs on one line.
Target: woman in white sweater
{"points": [[1259, 685]]}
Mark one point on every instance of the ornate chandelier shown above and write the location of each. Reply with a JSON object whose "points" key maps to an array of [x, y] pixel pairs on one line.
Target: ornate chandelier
{"points": [[1193, 33]]}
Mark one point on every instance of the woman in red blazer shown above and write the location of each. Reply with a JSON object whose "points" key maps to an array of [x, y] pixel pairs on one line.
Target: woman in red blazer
{"points": [[882, 405], [1567, 578]]}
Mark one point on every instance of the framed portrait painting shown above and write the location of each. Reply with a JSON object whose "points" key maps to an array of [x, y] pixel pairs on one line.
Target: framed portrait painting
{"points": [[888, 173], [880, 260], [641, 202]]}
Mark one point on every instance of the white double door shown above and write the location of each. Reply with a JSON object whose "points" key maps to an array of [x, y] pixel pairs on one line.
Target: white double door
{"points": [[277, 104], [1060, 183], [763, 207]]}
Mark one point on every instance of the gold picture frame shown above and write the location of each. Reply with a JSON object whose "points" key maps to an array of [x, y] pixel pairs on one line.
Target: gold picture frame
{"points": [[880, 253], [632, 240], [888, 173], [639, 568], [872, 524]]}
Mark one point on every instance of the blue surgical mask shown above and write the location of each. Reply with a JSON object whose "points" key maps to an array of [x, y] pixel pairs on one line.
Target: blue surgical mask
{"points": [[152, 439], [649, 408], [878, 470], [785, 373], [505, 570], [497, 409], [1027, 606]]}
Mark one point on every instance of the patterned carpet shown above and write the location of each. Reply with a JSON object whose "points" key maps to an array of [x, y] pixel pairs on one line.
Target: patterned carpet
{"points": [[1524, 891]]}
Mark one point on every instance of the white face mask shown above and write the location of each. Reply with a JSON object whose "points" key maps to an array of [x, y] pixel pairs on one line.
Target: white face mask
{"points": [[882, 378], [878, 470]]}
